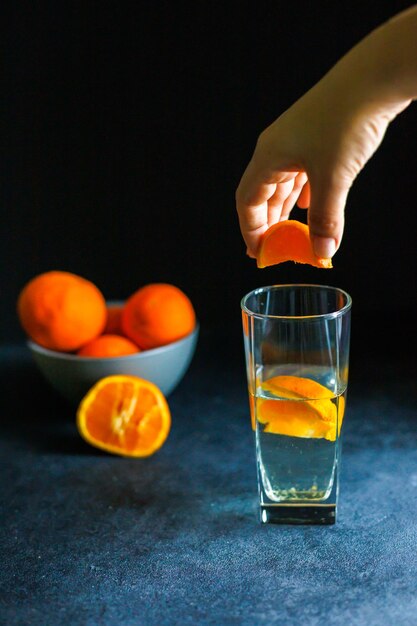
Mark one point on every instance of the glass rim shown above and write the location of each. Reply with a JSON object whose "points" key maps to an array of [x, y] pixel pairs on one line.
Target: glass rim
{"points": [[332, 315]]}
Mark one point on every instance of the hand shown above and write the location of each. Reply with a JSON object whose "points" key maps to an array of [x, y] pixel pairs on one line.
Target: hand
{"points": [[313, 152]]}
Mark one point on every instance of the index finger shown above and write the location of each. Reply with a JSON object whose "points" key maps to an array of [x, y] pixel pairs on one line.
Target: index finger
{"points": [[259, 191], [252, 197]]}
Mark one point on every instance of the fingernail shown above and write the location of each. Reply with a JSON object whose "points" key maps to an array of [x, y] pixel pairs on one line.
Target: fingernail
{"points": [[324, 247]]}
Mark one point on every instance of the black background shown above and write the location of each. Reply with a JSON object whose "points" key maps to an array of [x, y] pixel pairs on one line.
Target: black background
{"points": [[128, 126]]}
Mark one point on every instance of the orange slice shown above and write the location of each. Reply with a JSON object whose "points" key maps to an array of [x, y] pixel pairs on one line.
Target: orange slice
{"points": [[297, 387], [309, 411], [294, 419], [288, 241], [124, 415]]}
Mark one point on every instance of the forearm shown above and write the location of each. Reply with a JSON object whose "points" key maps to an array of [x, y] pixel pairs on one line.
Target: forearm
{"points": [[382, 68]]}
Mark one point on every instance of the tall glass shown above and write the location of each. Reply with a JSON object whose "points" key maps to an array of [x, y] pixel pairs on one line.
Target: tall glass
{"points": [[297, 355]]}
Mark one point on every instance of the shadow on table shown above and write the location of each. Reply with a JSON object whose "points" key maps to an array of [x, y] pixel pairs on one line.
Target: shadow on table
{"points": [[157, 494]]}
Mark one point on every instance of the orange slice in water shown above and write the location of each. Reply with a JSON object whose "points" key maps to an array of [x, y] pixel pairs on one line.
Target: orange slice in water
{"points": [[309, 411], [124, 415], [289, 241]]}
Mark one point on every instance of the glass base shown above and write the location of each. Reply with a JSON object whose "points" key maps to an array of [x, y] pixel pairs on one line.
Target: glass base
{"points": [[298, 514]]}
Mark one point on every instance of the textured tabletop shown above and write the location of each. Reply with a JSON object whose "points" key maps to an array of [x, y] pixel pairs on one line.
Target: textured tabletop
{"points": [[89, 538]]}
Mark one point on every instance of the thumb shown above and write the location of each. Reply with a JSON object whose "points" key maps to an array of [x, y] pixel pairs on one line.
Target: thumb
{"points": [[326, 215]]}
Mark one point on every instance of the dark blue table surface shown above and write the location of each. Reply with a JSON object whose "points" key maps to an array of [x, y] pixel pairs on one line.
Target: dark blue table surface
{"points": [[88, 538]]}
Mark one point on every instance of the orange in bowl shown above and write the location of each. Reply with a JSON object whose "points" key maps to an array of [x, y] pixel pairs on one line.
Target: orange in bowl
{"points": [[114, 319], [156, 315], [108, 346], [61, 311]]}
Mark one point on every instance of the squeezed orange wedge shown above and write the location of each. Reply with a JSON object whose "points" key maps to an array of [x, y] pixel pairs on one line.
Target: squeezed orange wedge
{"points": [[309, 411], [289, 241]]}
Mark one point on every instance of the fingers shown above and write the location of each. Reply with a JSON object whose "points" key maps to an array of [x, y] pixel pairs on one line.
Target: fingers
{"points": [[326, 215], [252, 197], [259, 201], [262, 202], [304, 197], [277, 201], [292, 197]]}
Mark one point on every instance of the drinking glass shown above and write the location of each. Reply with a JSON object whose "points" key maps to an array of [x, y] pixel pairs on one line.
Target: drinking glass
{"points": [[296, 341]]}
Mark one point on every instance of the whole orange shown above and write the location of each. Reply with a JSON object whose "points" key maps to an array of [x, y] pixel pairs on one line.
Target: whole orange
{"points": [[156, 315], [61, 311], [114, 319], [108, 346]]}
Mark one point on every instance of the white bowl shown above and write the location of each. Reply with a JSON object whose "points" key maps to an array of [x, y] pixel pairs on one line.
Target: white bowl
{"points": [[72, 375]]}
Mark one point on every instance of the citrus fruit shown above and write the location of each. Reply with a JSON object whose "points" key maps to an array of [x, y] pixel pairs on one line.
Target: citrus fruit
{"points": [[124, 415], [310, 410], [288, 241], [156, 315], [114, 320], [61, 311], [108, 346]]}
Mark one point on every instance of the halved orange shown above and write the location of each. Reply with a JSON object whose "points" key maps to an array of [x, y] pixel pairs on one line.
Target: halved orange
{"points": [[309, 411], [124, 415], [288, 241]]}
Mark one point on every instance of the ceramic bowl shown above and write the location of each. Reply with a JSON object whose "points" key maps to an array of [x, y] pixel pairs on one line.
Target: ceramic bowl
{"points": [[73, 375]]}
